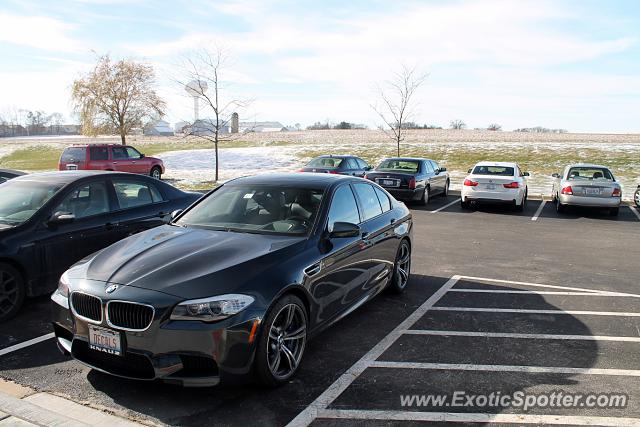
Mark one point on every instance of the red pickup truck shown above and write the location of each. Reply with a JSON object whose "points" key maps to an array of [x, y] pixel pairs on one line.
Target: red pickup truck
{"points": [[109, 157]]}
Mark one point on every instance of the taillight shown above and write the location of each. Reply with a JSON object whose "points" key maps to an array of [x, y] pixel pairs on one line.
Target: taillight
{"points": [[412, 184], [301, 170], [616, 192], [567, 190], [367, 177], [470, 183], [513, 184], [333, 172]]}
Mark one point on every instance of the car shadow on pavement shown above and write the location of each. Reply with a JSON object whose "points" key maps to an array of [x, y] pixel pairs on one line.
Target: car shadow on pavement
{"points": [[340, 346]]}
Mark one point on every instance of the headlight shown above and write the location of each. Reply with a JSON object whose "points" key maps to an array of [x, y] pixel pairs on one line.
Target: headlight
{"points": [[61, 295], [211, 309]]}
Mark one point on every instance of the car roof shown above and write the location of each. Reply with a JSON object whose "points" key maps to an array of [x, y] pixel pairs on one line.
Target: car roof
{"points": [[413, 159], [587, 165], [294, 179], [13, 172], [64, 177], [98, 144], [335, 156], [487, 163]]}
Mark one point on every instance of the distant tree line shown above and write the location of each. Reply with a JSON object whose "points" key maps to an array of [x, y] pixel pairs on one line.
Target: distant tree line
{"points": [[540, 129], [22, 122], [326, 125]]}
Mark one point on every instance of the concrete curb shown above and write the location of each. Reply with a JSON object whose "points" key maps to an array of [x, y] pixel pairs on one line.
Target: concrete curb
{"points": [[35, 414]]}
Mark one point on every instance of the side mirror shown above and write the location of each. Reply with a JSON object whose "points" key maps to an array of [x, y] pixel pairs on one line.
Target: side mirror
{"points": [[443, 169], [555, 175], [175, 213], [344, 229], [368, 168], [525, 174], [469, 171], [141, 155], [59, 218]]}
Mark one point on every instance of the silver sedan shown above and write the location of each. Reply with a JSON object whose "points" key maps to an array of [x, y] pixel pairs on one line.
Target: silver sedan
{"points": [[587, 185]]}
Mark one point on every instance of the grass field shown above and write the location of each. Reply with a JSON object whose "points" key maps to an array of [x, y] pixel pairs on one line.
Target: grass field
{"points": [[540, 154]]}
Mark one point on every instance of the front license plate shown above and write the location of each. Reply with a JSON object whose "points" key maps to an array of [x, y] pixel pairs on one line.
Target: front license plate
{"points": [[105, 340]]}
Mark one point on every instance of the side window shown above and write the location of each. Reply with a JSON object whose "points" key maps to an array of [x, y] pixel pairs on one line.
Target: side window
{"points": [[119, 153], [384, 199], [132, 153], [86, 200], [361, 163], [351, 164], [135, 193], [343, 207], [434, 165], [428, 167], [370, 203], [99, 153]]}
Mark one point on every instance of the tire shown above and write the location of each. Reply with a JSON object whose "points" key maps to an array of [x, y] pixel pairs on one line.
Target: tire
{"points": [[636, 198], [401, 269], [614, 211], [465, 205], [425, 197], [521, 206], [12, 291], [560, 208], [445, 193], [273, 366], [156, 172]]}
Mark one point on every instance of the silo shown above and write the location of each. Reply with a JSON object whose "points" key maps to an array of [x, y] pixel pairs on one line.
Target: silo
{"points": [[235, 123]]}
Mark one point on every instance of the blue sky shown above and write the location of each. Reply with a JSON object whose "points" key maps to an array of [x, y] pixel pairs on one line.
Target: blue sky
{"points": [[562, 64]]}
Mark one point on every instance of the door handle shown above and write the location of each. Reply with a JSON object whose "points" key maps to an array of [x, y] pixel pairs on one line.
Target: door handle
{"points": [[365, 234], [115, 163], [393, 220]]}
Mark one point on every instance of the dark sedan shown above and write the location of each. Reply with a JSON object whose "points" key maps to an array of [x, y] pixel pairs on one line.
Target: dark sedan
{"points": [[234, 286], [7, 174], [48, 221], [342, 165], [411, 179]]}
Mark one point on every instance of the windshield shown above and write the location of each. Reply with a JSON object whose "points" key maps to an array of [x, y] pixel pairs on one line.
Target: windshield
{"points": [[256, 209], [20, 200], [394, 165], [589, 173], [493, 170], [325, 162]]}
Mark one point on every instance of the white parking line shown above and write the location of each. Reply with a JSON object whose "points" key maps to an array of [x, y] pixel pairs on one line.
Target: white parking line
{"points": [[509, 291], [446, 206], [521, 336], [310, 413], [26, 344], [521, 310], [459, 417], [539, 285], [539, 211], [635, 211], [506, 368]]}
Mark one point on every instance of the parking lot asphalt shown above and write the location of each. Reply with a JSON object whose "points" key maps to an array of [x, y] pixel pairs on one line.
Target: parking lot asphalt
{"points": [[499, 301]]}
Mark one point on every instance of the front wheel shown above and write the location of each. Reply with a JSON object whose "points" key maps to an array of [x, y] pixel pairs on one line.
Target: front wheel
{"points": [[636, 197], [401, 268], [282, 342], [445, 193], [156, 172], [12, 291]]}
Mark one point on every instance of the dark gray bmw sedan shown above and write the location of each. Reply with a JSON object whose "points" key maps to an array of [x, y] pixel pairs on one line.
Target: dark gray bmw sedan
{"points": [[234, 286]]}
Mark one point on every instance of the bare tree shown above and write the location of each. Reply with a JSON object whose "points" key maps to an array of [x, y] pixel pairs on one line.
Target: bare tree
{"points": [[203, 73], [457, 124], [396, 96], [494, 127], [116, 97]]}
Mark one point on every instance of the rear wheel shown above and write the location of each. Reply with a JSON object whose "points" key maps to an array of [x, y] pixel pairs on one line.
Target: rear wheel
{"points": [[636, 197], [560, 208], [445, 193], [401, 268], [282, 342], [521, 206], [425, 196], [12, 291], [156, 172]]}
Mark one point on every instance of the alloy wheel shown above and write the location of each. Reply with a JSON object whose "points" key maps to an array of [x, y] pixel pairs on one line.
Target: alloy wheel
{"points": [[636, 198], [403, 266], [156, 173], [9, 292], [287, 338]]}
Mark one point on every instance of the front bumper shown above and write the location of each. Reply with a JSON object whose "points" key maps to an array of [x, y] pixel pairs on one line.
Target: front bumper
{"points": [[596, 202], [190, 353]]}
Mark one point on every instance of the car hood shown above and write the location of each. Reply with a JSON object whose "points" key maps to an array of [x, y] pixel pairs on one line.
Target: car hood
{"points": [[184, 262]]}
